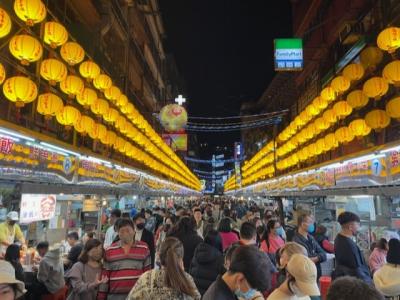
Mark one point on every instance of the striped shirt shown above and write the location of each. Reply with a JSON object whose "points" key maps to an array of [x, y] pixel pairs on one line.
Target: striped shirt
{"points": [[123, 269]]}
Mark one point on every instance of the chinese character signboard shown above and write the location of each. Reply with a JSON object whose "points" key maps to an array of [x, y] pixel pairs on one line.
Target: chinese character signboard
{"points": [[288, 54], [37, 207]]}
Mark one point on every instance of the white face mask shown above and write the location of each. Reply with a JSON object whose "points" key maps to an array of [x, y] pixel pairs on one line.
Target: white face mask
{"points": [[293, 287]]}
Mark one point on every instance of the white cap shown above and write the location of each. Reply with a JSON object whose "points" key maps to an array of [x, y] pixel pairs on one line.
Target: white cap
{"points": [[13, 216]]}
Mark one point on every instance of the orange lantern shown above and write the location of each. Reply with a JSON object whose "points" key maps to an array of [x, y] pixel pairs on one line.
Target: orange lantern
{"points": [[5, 23], [49, 105], [344, 135], [370, 57], [68, 116], [321, 124], [53, 70], [340, 84], [99, 106], [330, 116], [320, 103], [330, 141], [84, 125], [55, 34], [377, 119], [359, 127], [2, 74], [342, 109], [357, 99], [122, 101], [376, 87], [72, 85], [25, 48], [30, 11], [89, 70], [389, 39], [353, 72], [328, 94], [391, 72], [393, 108], [312, 110], [102, 82], [111, 115], [20, 90], [87, 97], [72, 53], [112, 93]]}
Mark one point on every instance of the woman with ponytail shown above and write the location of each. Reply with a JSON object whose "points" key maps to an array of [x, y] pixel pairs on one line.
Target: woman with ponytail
{"points": [[171, 281]]}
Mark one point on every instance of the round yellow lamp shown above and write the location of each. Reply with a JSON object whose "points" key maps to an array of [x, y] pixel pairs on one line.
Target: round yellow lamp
{"points": [[342, 109], [87, 97], [330, 116], [112, 93], [389, 39], [5, 23], [20, 90], [393, 108], [89, 70], [55, 34], [84, 125], [370, 57], [122, 101], [354, 72], [359, 128], [49, 105], [377, 119], [30, 11], [72, 53], [344, 135], [25, 48], [340, 84], [391, 72], [320, 103], [68, 116], [312, 110], [72, 85], [111, 115], [321, 124], [99, 106], [102, 82], [375, 87], [328, 94], [2, 73], [357, 99], [53, 70]]}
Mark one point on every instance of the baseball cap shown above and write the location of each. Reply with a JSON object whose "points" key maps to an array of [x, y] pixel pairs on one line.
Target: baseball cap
{"points": [[13, 216], [305, 272]]}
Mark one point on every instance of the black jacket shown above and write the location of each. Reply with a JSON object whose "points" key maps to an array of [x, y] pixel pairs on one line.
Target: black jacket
{"points": [[206, 265], [219, 290], [148, 238], [190, 242]]}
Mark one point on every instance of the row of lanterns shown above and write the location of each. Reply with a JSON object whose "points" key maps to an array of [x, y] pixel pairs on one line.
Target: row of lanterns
{"points": [[22, 90], [298, 133]]}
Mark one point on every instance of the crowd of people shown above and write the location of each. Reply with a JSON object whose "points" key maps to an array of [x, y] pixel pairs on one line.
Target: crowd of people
{"points": [[207, 250]]}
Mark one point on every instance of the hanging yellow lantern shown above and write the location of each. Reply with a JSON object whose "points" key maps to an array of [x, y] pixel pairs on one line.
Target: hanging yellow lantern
{"points": [[375, 87], [122, 101], [353, 72], [68, 116], [342, 109], [84, 125], [330, 142], [5, 23], [98, 132], [119, 144], [377, 119], [20, 90], [102, 82], [312, 110], [53, 70], [30, 11], [72, 53], [391, 72], [111, 115], [99, 106], [328, 94], [25, 48], [359, 127], [389, 39], [120, 123], [321, 147], [370, 57], [393, 108], [340, 84], [55, 34], [72, 85], [2, 73], [112, 93], [320, 103], [110, 138], [87, 97], [344, 135], [330, 116], [127, 109], [304, 116], [357, 99], [49, 105], [89, 70], [310, 131], [321, 124]]}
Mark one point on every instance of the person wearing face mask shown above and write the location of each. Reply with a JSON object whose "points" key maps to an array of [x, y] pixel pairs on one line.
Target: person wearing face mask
{"points": [[301, 281], [305, 226], [85, 276], [349, 258], [144, 235], [271, 240], [249, 272], [10, 232], [124, 262]]}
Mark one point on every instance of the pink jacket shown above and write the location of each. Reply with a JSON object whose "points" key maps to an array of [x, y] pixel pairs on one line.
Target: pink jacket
{"points": [[228, 238], [377, 259]]}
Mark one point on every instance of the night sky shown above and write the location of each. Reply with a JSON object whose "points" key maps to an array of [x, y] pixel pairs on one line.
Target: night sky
{"points": [[224, 51]]}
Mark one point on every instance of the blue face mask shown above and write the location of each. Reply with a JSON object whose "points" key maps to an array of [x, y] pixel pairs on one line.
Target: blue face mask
{"points": [[311, 228], [280, 231], [245, 295]]}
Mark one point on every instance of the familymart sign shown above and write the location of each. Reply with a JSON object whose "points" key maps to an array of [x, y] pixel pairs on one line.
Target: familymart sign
{"points": [[288, 54]]}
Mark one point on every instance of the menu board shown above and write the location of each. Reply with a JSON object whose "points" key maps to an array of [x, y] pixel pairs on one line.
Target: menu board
{"points": [[37, 207]]}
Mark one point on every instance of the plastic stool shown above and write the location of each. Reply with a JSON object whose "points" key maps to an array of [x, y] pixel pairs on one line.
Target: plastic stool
{"points": [[59, 295], [324, 283]]}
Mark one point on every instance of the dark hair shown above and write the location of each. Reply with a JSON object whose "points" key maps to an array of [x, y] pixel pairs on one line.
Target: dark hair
{"points": [[163, 210], [270, 225], [302, 217], [73, 235], [226, 212], [347, 217], [116, 212], [139, 216], [352, 288], [214, 239], [248, 231], [91, 234], [42, 245], [197, 210], [382, 244], [393, 255], [230, 250], [185, 226], [124, 222], [12, 254], [148, 211], [171, 253], [90, 244], [254, 265], [173, 219], [267, 213], [225, 225]]}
